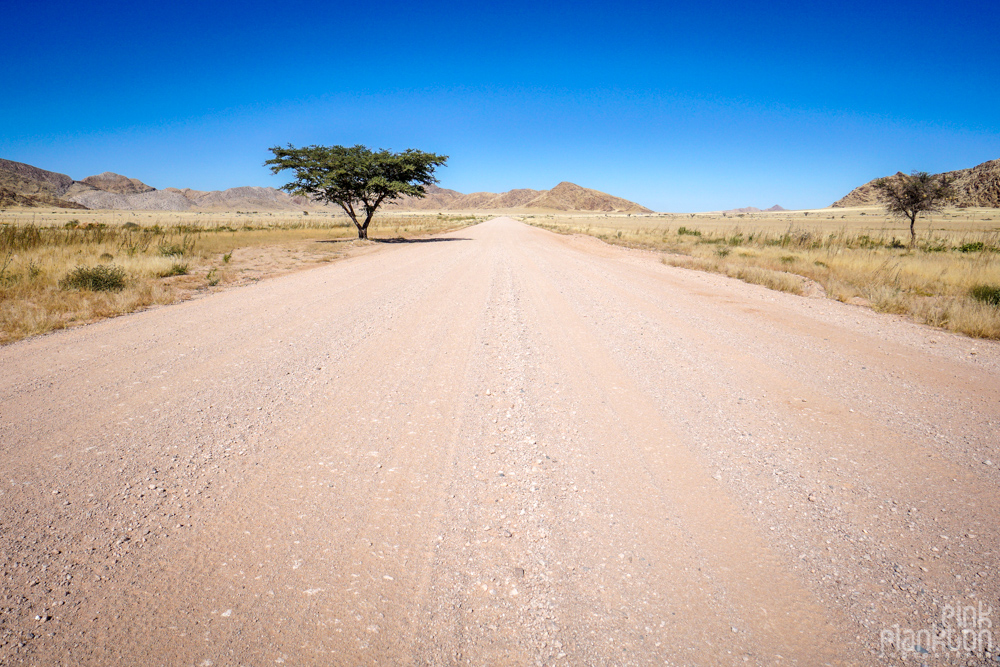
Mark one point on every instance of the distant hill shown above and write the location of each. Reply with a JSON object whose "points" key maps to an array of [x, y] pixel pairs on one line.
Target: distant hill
{"points": [[977, 186], [24, 185], [111, 182], [563, 197], [754, 209]]}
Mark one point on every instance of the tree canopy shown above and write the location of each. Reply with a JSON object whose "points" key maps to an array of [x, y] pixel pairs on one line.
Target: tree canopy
{"points": [[357, 179], [909, 196]]}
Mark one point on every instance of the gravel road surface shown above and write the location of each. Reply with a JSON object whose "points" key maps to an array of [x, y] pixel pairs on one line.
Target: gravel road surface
{"points": [[498, 446]]}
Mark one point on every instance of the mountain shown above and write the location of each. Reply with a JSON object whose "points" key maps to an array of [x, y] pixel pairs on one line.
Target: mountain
{"points": [[248, 197], [111, 182], [572, 197], [563, 197], [977, 186], [24, 185], [754, 209]]}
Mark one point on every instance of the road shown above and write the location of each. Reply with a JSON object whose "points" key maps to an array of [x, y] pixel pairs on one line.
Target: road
{"points": [[497, 446]]}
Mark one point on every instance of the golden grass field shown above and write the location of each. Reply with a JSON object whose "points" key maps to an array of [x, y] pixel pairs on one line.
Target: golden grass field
{"points": [[162, 257], [950, 279]]}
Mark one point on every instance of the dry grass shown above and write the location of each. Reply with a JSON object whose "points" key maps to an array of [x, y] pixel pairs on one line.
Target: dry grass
{"points": [[166, 257], [855, 255]]}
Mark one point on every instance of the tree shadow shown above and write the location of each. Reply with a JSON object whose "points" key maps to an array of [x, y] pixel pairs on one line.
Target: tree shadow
{"points": [[397, 239], [400, 239]]}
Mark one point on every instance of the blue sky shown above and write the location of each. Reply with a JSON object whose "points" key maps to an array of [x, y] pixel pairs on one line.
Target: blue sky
{"points": [[679, 106]]}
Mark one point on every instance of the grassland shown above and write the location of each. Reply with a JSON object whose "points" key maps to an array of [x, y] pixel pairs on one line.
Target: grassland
{"points": [[950, 279], [59, 268]]}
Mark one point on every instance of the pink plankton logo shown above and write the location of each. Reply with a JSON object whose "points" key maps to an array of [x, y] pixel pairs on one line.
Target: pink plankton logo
{"points": [[962, 628]]}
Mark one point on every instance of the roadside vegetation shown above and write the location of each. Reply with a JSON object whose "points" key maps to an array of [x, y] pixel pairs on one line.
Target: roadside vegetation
{"points": [[950, 278], [60, 268]]}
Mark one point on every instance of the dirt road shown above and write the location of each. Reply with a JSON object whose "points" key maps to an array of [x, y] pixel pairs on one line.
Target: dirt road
{"points": [[500, 446]]}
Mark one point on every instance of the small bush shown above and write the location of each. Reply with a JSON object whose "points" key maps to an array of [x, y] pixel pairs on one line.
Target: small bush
{"points": [[684, 231], [723, 252], [170, 250], [176, 269], [974, 246], [100, 278], [130, 225], [107, 257], [989, 294], [229, 255]]}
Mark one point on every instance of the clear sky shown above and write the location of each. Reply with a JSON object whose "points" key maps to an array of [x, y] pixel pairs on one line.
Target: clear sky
{"points": [[681, 106]]}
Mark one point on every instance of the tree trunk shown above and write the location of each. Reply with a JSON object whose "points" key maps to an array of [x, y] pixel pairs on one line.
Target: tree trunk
{"points": [[913, 232], [363, 230]]}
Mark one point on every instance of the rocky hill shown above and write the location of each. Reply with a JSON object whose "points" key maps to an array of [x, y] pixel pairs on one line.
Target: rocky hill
{"points": [[111, 182], [754, 209], [563, 197], [978, 186], [571, 197], [24, 185]]}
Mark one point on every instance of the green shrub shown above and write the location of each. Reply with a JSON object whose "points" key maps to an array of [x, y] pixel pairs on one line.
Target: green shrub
{"points": [[974, 246], [170, 250], [684, 231], [986, 293], [176, 269], [100, 278]]}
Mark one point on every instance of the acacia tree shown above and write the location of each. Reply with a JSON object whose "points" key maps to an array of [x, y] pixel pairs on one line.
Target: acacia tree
{"points": [[908, 196], [357, 179]]}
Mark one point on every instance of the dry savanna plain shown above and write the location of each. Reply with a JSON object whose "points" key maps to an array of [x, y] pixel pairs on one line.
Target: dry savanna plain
{"points": [[551, 440]]}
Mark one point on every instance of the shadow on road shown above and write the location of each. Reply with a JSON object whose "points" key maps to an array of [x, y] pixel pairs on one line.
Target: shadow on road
{"points": [[396, 240], [402, 240]]}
